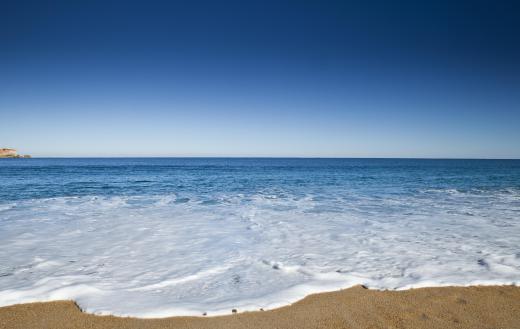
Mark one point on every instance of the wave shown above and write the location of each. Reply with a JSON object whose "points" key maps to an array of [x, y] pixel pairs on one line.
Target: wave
{"points": [[189, 254]]}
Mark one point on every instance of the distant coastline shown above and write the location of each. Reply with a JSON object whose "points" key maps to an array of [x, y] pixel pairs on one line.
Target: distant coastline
{"points": [[11, 153]]}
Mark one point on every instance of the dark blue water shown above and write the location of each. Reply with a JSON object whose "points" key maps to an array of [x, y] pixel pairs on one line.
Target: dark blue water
{"points": [[46, 178]]}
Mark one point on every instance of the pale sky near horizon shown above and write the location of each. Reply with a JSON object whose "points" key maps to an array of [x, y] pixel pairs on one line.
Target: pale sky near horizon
{"points": [[302, 78]]}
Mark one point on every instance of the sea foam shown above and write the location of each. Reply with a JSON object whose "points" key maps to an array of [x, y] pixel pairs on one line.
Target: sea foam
{"points": [[189, 254]]}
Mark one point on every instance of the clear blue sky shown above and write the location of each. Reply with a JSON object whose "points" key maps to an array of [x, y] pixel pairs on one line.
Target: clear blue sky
{"points": [[266, 78]]}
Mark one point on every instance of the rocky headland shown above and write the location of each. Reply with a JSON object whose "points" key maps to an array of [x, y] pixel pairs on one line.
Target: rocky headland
{"points": [[11, 153]]}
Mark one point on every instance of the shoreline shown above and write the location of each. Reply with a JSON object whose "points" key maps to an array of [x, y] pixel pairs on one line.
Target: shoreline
{"points": [[355, 307], [283, 298]]}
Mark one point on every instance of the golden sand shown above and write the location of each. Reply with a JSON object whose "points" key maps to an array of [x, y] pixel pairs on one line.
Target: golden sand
{"points": [[495, 307]]}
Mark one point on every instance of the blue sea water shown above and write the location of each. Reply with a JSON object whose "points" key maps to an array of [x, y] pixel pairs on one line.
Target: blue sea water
{"points": [[164, 236]]}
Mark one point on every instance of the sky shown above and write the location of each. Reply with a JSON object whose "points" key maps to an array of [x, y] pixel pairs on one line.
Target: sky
{"points": [[261, 78]]}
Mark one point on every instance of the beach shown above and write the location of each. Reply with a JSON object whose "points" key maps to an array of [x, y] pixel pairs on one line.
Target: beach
{"points": [[260, 164], [156, 238], [357, 307]]}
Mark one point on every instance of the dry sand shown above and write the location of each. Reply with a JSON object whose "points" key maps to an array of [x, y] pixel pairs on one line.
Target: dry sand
{"points": [[450, 307]]}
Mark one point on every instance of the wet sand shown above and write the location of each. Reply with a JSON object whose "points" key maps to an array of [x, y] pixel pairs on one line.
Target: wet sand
{"points": [[448, 307]]}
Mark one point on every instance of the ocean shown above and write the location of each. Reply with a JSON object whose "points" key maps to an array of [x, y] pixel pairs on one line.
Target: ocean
{"points": [[154, 237]]}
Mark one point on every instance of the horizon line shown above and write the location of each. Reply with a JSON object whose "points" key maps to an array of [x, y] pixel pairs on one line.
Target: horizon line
{"points": [[267, 157]]}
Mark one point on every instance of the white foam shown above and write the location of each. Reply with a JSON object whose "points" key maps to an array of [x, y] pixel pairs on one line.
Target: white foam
{"points": [[157, 256]]}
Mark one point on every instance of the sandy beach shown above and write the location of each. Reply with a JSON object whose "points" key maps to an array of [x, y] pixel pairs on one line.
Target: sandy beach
{"points": [[447, 307]]}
